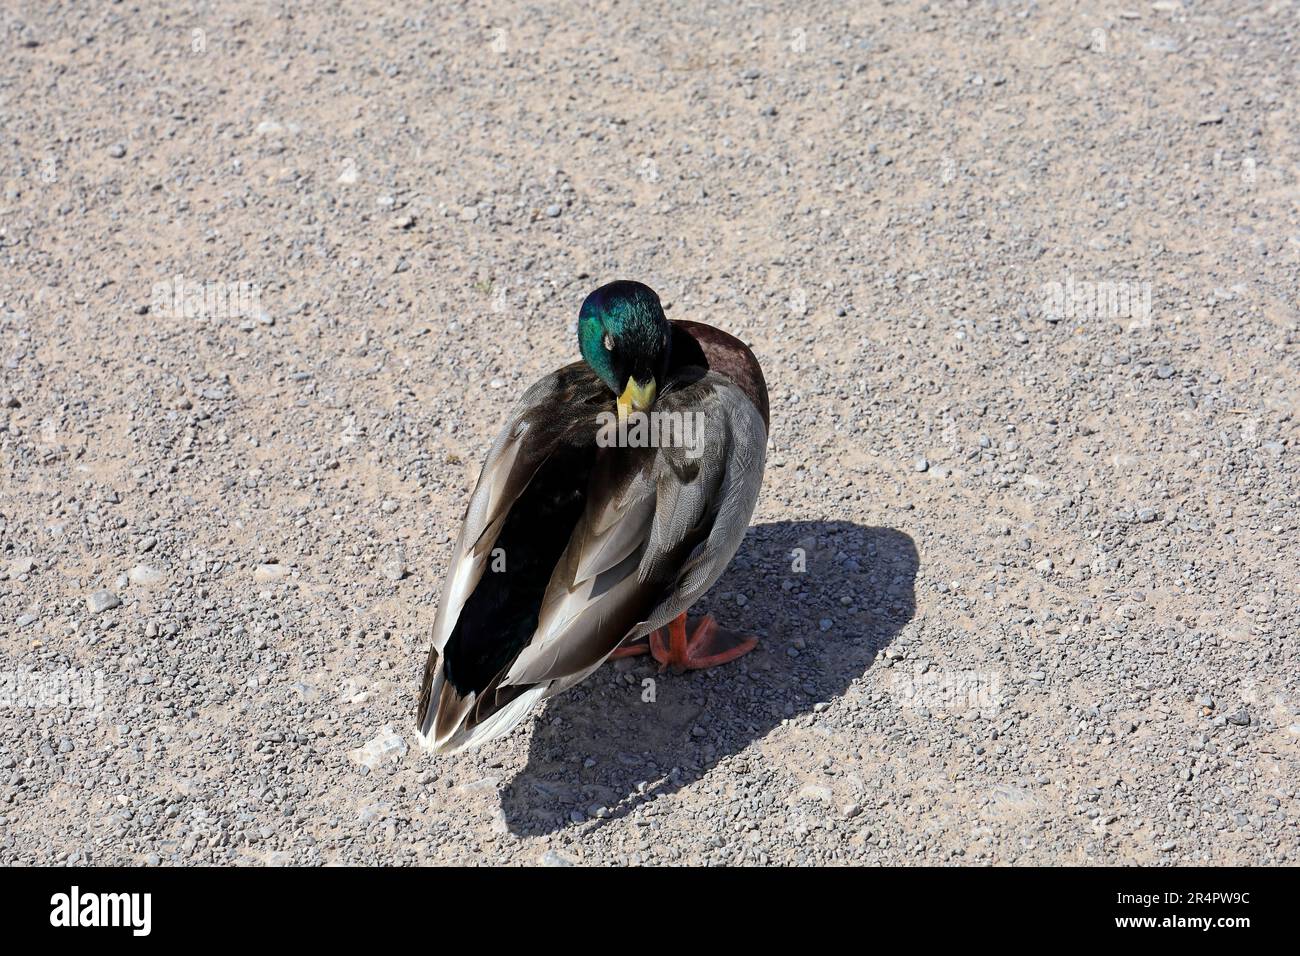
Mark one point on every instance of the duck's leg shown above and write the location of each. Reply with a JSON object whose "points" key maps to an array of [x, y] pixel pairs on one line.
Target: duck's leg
{"points": [[708, 646], [638, 647]]}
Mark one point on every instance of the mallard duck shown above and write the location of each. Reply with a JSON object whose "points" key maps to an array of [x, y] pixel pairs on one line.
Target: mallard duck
{"points": [[612, 500]]}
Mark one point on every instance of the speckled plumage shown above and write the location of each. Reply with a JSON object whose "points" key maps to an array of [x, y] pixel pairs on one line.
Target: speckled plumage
{"points": [[601, 544]]}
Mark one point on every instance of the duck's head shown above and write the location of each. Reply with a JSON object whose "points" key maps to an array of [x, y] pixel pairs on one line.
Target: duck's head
{"points": [[625, 338]]}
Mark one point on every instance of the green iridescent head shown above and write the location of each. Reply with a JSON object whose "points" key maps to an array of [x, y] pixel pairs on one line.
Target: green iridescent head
{"points": [[626, 339]]}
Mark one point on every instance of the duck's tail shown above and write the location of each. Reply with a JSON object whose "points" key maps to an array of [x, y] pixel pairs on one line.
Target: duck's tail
{"points": [[449, 721]]}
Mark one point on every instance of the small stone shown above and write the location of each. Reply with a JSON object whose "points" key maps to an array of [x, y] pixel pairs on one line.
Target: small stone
{"points": [[9, 401], [101, 601], [21, 566], [553, 211], [388, 506], [814, 791], [1045, 565], [270, 573], [389, 745], [394, 570], [26, 620], [921, 464], [145, 576], [117, 150]]}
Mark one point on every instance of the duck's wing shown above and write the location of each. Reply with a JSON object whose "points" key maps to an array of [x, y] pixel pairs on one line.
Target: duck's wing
{"points": [[657, 527], [549, 432], [650, 547]]}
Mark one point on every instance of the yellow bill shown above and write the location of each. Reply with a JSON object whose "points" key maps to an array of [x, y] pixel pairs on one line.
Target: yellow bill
{"points": [[637, 397]]}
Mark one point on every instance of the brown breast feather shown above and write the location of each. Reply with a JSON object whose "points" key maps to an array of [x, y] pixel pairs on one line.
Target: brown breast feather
{"points": [[695, 343]]}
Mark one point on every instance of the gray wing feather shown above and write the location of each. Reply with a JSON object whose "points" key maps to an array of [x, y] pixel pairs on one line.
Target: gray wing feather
{"points": [[653, 574], [660, 527], [741, 477]]}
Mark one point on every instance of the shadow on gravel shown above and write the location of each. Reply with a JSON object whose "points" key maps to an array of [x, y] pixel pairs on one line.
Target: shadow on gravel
{"points": [[601, 750]]}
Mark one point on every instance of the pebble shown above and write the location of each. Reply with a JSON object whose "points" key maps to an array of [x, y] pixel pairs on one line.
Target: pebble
{"points": [[100, 601], [386, 747], [117, 150], [143, 575], [270, 573]]}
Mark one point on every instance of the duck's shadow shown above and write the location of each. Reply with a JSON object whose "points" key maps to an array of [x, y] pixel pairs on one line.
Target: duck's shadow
{"points": [[630, 734]]}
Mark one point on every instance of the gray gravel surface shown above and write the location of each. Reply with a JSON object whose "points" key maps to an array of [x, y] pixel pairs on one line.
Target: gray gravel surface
{"points": [[1024, 568]]}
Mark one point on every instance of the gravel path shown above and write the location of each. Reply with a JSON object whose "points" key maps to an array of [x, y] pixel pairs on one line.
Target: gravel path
{"points": [[1024, 280]]}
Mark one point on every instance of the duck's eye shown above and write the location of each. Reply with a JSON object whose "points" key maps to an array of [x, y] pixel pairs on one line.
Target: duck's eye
{"points": [[608, 342]]}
